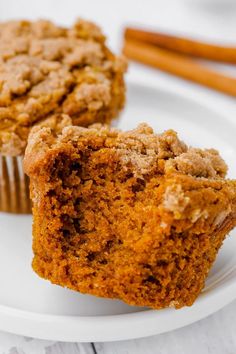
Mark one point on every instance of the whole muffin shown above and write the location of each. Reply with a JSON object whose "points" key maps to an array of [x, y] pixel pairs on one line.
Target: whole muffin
{"points": [[46, 69]]}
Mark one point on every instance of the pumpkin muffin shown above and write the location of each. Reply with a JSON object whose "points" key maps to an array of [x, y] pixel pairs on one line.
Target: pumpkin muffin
{"points": [[132, 215], [47, 69]]}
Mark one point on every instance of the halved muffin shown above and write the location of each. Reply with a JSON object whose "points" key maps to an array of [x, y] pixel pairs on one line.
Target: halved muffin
{"points": [[130, 215]]}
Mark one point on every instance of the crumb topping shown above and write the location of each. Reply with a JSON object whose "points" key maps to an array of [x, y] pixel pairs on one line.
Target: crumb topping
{"points": [[175, 200], [200, 163]]}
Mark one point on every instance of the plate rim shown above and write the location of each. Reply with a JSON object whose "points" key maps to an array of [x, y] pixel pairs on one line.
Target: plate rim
{"points": [[143, 323], [105, 328]]}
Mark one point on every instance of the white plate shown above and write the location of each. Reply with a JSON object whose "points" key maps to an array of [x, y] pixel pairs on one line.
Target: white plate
{"points": [[33, 307]]}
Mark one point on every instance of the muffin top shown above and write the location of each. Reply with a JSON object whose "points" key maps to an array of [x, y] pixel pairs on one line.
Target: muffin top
{"points": [[140, 150], [47, 69]]}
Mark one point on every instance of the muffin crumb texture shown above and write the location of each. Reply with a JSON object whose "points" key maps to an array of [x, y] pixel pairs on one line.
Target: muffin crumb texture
{"points": [[46, 69], [132, 215]]}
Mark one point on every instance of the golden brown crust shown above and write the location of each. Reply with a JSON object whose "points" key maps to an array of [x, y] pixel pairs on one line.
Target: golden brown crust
{"points": [[125, 215], [47, 69]]}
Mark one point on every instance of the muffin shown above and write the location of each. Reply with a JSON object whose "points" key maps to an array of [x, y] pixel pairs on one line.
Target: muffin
{"points": [[44, 70], [134, 215]]}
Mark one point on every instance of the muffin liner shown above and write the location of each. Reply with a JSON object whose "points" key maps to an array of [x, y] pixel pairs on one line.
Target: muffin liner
{"points": [[14, 186]]}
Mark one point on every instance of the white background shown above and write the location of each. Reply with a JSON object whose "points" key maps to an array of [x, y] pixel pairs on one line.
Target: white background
{"points": [[213, 20]]}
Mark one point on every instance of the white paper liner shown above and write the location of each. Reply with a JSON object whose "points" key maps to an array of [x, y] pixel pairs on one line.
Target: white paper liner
{"points": [[14, 186]]}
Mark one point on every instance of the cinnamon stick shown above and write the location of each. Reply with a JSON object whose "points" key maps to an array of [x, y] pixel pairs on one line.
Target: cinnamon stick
{"points": [[179, 65], [185, 46]]}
